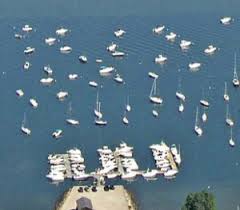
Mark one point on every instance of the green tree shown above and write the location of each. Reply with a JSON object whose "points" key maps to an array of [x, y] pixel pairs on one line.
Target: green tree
{"points": [[200, 201]]}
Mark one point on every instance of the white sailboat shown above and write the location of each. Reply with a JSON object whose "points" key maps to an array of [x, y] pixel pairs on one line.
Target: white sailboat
{"points": [[97, 111], [204, 102], [181, 107], [99, 120], [128, 106], [235, 80], [197, 128], [125, 119], [231, 141], [229, 120], [179, 93], [226, 96], [70, 120], [153, 94], [204, 115], [24, 129]]}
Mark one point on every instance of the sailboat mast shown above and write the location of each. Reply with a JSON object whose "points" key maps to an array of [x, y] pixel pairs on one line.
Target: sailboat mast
{"points": [[225, 89], [196, 120], [235, 66], [227, 112], [151, 92]]}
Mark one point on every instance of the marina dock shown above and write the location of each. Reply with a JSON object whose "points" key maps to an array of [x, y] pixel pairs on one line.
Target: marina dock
{"points": [[117, 198]]}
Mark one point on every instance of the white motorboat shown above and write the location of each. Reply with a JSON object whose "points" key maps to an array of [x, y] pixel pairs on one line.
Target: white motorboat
{"points": [[181, 107], [57, 133], [62, 95], [125, 119], [99, 60], [70, 120], [160, 59], [225, 95], [235, 80], [210, 50], [65, 49], [184, 44], [47, 81], [112, 175], [170, 173], [47, 69], [119, 32], [226, 20], [128, 106], [62, 31], [153, 94], [155, 113], [106, 70], [231, 141], [229, 120], [29, 50], [100, 121], [97, 109], [74, 151], [129, 175], [112, 47], [150, 174], [204, 102], [18, 36], [158, 29], [180, 96], [197, 128], [26, 65], [93, 83], [24, 129], [153, 75], [72, 76], [118, 54], [83, 58], [33, 102], [20, 92], [50, 41], [118, 78], [171, 36], [56, 177], [194, 66], [27, 28], [81, 176]]}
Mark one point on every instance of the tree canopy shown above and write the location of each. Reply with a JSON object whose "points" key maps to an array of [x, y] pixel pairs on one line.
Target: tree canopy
{"points": [[200, 201]]}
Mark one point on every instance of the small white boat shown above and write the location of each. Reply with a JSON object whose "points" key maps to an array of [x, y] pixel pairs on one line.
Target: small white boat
{"points": [[18, 36], [204, 116], [24, 129], [57, 133], [155, 113], [171, 36], [170, 173], [65, 49], [62, 31], [112, 47], [83, 58], [19, 92], [204, 103], [112, 176], [129, 175], [26, 65], [225, 95], [181, 107], [184, 44], [153, 75], [118, 54], [160, 59], [231, 141], [97, 109], [47, 69], [106, 70], [226, 20], [235, 80], [194, 66], [210, 50], [158, 29], [33, 102], [72, 76], [50, 41], [197, 128], [99, 60], [119, 33], [118, 78], [180, 96], [152, 96], [62, 95], [47, 81], [149, 174], [229, 120], [29, 50], [125, 119], [27, 28], [100, 121], [93, 83], [72, 122], [128, 106]]}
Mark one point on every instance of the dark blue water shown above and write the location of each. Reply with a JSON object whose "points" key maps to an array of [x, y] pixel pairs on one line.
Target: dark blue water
{"points": [[207, 161]]}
